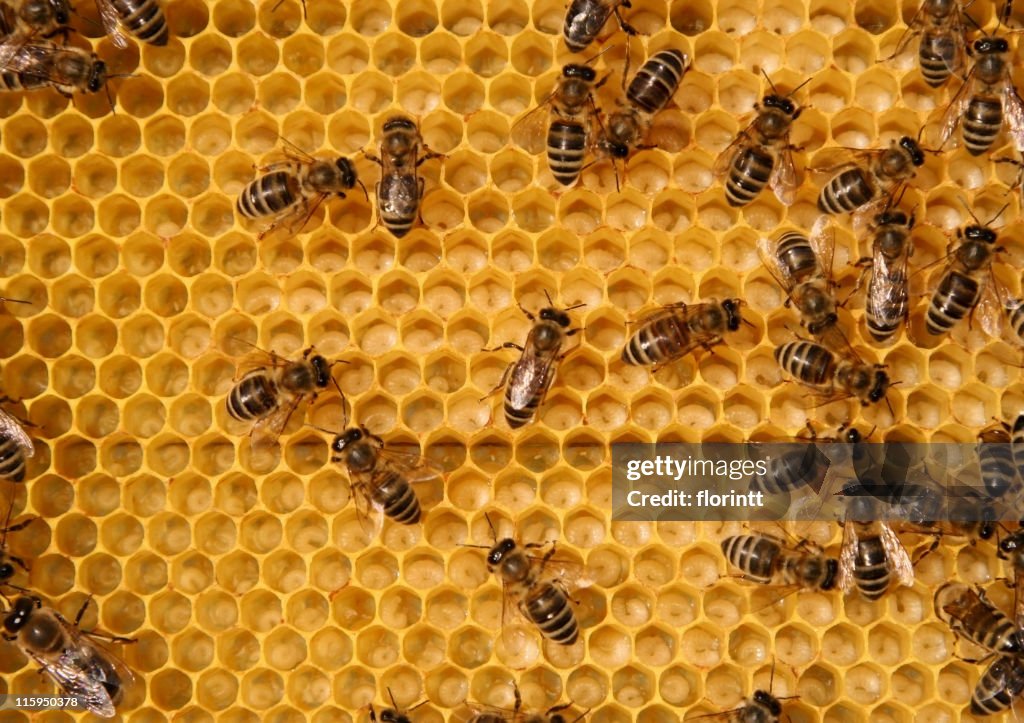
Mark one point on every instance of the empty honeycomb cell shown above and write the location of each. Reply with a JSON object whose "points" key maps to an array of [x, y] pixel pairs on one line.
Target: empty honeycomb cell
{"points": [[210, 55], [48, 176], [25, 136], [26, 216], [486, 132], [95, 176]]}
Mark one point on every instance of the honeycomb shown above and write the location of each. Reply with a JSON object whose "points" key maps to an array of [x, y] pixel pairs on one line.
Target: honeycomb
{"points": [[253, 589]]}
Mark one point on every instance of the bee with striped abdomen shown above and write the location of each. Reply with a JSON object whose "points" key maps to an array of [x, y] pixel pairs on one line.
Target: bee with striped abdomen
{"points": [[401, 189], [940, 26], [761, 155], [68, 655], [804, 271], [67, 70], [268, 394], [527, 380], [1000, 472], [872, 556], [142, 19], [382, 478], [394, 714], [650, 90], [291, 190], [801, 465], [15, 446], [761, 707], [1000, 684], [886, 305], [965, 284], [987, 100], [769, 561], [585, 18], [518, 715], [970, 615], [675, 330], [22, 21], [836, 376], [869, 179]]}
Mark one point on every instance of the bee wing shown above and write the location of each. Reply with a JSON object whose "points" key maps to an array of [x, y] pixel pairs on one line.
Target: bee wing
{"points": [[899, 559], [1013, 107], [567, 573], [913, 30], [725, 159], [783, 180], [957, 106], [530, 131], [661, 313], [864, 215], [848, 557], [265, 432], [414, 467], [112, 23], [990, 308], [823, 241], [766, 250], [83, 669], [69, 674], [887, 291], [369, 512], [11, 427], [530, 377]]}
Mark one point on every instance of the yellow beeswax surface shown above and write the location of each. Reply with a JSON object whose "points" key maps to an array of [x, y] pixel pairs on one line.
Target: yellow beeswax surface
{"points": [[252, 587]]}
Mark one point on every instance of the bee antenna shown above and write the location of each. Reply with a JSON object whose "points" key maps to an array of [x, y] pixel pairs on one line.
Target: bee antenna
{"points": [[550, 302], [770, 83], [973, 22], [494, 532], [592, 58], [575, 306], [15, 301], [998, 214], [790, 93], [322, 429], [363, 186], [392, 697], [963, 202]]}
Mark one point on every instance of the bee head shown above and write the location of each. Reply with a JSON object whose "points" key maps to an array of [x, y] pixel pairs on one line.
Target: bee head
{"points": [[398, 122], [556, 315], [347, 171], [913, 150], [346, 439], [497, 554], [322, 367], [853, 436], [576, 70], [990, 45], [1012, 543], [880, 387], [781, 103], [97, 76], [615, 149], [20, 613], [556, 718], [980, 233], [831, 574], [732, 311], [6, 571], [769, 701], [893, 218], [987, 529], [388, 715]]}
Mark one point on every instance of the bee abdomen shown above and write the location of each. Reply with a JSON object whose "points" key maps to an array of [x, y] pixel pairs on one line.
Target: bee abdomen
{"points": [[520, 416], [655, 342], [657, 80], [846, 191], [956, 296], [550, 611], [871, 570], [884, 321], [12, 460], [748, 175], [583, 21], [1017, 445], [253, 398], [397, 498], [936, 58], [1001, 682], [753, 554], [398, 204], [998, 467], [809, 362], [144, 19], [981, 123], [567, 141], [268, 195]]}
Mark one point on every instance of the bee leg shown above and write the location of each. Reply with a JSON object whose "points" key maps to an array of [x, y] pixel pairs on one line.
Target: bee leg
{"points": [[623, 25], [501, 383], [371, 157], [20, 525], [419, 207], [373, 714], [428, 156]]}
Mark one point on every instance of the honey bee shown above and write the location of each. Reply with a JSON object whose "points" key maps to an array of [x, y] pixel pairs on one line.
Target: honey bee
{"points": [[268, 395], [987, 99], [650, 90], [79, 666], [886, 305], [400, 189], [291, 190], [999, 469], [761, 707], [15, 446], [1011, 548], [870, 178], [9, 562], [804, 271], [964, 284], [1000, 684], [872, 556], [570, 113], [803, 466], [23, 20], [143, 19], [517, 715], [837, 376], [381, 479], [675, 330], [68, 70], [769, 561], [393, 714], [541, 600], [761, 154], [585, 18], [527, 380], [971, 615], [940, 25]]}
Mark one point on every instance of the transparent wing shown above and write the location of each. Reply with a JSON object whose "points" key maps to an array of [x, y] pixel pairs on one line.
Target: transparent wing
{"points": [[10, 427], [531, 376], [75, 681], [1013, 107], [111, 21], [864, 216], [415, 468], [848, 556], [888, 288], [725, 159], [990, 308], [569, 574], [899, 558], [766, 250], [266, 431], [530, 131], [10, 45], [369, 512], [783, 180], [823, 241], [957, 106]]}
